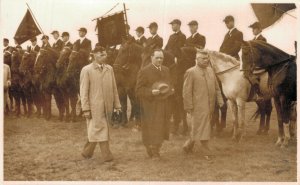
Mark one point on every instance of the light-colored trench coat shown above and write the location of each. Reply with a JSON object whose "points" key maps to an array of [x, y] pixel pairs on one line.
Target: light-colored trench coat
{"points": [[98, 93], [200, 93]]}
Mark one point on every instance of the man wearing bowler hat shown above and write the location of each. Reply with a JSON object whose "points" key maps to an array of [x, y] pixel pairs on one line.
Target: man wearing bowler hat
{"points": [[195, 40], [141, 40], [65, 37], [154, 89], [45, 40], [34, 47], [233, 39], [83, 45], [154, 41], [256, 29], [58, 43]]}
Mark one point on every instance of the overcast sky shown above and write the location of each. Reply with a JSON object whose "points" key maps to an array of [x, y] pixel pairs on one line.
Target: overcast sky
{"points": [[69, 15]]}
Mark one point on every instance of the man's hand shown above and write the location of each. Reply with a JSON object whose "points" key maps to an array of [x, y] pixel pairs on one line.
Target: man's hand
{"points": [[155, 92], [87, 114]]}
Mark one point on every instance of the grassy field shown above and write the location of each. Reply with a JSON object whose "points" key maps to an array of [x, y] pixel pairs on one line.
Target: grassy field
{"points": [[35, 149]]}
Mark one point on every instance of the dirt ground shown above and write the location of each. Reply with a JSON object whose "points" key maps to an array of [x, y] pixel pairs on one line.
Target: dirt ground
{"points": [[35, 149]]}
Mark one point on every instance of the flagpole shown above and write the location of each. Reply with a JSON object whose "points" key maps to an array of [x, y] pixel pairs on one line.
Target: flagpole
{"points": [[35, 19], [107, 12]]}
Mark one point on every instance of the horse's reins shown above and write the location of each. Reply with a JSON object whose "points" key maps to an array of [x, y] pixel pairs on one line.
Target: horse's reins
{"points": [[226, 70]]}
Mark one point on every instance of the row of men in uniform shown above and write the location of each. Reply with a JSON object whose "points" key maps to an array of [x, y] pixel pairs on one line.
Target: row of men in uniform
{"points": [[231, 44]]}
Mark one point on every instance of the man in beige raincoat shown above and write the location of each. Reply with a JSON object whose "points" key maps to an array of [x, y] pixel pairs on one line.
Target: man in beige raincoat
{"points": [[99, 98], [200, 93]]}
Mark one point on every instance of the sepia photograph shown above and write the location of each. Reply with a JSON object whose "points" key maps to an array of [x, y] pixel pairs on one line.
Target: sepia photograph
{"points": [[149, 92]]}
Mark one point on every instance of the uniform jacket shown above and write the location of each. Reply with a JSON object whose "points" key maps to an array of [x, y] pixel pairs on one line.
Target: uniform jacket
{"points": [[232, 43], [69, 44], [141, 40], [197, 41], [98, 94], [58, 45], [35, 49], [85, 47], [260, 37], [175, 42], [154, 42]]}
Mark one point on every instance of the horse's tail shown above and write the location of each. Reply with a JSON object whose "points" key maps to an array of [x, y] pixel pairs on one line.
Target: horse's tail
{"points": [[256, 113]]}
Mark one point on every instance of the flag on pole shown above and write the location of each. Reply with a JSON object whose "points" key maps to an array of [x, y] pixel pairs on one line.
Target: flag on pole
{"points": [[268, 13], [111, 29], [27, 29]]}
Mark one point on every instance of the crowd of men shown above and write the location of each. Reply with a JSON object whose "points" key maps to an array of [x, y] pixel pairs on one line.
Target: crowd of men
{"points": [[152, 80]]}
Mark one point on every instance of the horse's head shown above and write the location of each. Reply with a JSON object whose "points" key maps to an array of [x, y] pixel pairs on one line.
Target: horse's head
{"points": [[28, 60], [43, 62], [250, 56], [16, 57], [63, 57], [221, 62]]}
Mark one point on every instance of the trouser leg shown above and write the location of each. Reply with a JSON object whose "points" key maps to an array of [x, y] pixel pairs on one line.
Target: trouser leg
{"points": [[88, 149], [106, 153]]}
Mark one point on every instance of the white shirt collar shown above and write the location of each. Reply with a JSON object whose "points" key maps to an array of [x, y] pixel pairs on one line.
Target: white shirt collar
{"points": [[194, 34], [140, 37], [81, 39], [231, 30], [154, 35], [67, 42], [6, 47], [257, 36], [159, 68]]}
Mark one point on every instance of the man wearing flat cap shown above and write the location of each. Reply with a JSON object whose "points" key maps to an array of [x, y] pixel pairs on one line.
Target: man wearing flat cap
{"points": [[256, 29], [58, 43], [6, 45], [141, 39], [83, 45], [65, 37], [233, 39], [154, 41], [153, 90], [99, 98], [45, 40], [34, 47], [195, 40]]}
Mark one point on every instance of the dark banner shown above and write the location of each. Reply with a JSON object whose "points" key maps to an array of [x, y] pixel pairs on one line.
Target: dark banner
{"points": [[27, 29], [268, 13], [111, 29]]}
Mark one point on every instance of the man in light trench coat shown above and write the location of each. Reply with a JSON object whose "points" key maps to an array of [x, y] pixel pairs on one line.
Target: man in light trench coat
{"points": [[99, 98], [200, 93]]}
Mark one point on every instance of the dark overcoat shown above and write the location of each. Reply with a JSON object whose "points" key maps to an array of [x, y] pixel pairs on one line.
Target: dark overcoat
{"points": [[232, 43], [154, 109], [197, 41]]}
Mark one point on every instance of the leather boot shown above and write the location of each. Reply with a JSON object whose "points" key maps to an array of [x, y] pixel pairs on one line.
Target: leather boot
{"points": [[106, 153]]}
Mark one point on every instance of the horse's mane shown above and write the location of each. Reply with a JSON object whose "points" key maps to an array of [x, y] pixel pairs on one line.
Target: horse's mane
{"points": [[223, 56], [266, 48]]}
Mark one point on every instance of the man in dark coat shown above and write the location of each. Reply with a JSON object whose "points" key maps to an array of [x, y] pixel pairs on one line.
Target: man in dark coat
{"points": [[6, 45], [195, 40], [45, 40], [155, 41], [34, 47], [141, 40], [83, 45], [65, 37], [256, 29], [233, 39], [154, 102], [58, 43], [175, 43]]}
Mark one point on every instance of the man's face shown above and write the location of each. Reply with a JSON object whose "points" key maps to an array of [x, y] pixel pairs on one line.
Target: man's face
{"points": [[45, 41], [55, 36], [175, 27], [5, 43], [138, 34], [65, 38], [202, 60], [229, 24], [255, 31], [100, 57], [153, 30], [157, 58], [82, 34], [193, 28]]}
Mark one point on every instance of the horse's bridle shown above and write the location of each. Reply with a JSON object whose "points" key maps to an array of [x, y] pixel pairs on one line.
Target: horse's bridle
{"points": [[222, 72]]}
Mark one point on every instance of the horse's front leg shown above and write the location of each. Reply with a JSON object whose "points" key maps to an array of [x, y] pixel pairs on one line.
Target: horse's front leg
{"points": [[268, 110], [234, 110], [286, 120], [241, 116], [280, 123]]}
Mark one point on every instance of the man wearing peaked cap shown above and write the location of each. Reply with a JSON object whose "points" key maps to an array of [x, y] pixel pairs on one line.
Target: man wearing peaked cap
{"points": [[256, 29], [83, 45], [154, 41], [5, 45], [140, 34], [175, 43], [65, 37], [233, 39], [34, 47], [58, 43], [45, 40], [195, 40]]}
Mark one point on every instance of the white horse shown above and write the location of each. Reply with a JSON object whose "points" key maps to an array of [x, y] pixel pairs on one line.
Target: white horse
{"points": [[237, 89]]}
